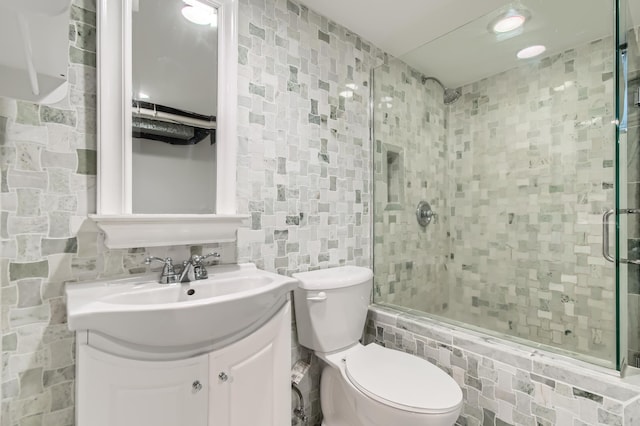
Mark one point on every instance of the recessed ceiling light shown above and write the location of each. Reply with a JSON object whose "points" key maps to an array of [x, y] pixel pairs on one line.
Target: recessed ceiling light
{"points": [[531, 51], [346, 94], [142, 95], [509, 21], [200, 13]]}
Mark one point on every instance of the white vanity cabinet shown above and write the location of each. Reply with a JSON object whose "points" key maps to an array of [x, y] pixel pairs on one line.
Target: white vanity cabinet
{"points": [[118, 391], [250, 379], [240, 384]]}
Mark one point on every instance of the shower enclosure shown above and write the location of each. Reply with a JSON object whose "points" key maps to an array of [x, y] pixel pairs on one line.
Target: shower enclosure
{"points": [[518, 168]]}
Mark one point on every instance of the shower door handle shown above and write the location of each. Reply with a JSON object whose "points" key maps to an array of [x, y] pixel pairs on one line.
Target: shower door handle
{"points": [[605, 235]]}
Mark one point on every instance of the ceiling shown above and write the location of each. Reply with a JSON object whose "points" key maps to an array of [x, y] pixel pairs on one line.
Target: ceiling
{"points": [[421, 33]]}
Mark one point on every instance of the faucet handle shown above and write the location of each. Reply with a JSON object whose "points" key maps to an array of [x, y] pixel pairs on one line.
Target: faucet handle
{"points": [[197, 260], [169, 274], [168, 262], [214, 254], [199, 269]]}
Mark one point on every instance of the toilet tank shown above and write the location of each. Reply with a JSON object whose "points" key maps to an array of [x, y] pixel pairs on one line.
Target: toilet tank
{"points": [[331, 307]]}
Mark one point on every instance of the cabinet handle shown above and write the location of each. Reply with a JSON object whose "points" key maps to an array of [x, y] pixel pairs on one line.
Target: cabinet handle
{"points": [[196, 386], [223, 376]]}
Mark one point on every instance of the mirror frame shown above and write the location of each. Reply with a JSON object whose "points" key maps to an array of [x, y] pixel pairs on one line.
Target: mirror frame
{"points": [[114, 215]]}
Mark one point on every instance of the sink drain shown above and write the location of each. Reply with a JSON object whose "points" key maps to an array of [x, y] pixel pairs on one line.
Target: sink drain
{"points": [[191, 292]]}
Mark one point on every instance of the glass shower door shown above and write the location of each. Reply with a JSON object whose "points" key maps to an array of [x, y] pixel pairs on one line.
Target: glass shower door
{"points": [[627, 209], [517, 169]]}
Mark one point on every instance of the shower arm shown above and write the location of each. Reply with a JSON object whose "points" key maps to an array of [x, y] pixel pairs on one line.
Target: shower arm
{"points": [[425, 79]]}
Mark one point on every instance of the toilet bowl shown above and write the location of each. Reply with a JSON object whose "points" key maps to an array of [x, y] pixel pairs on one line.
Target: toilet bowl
{"points": [[374, 386], [366, 385]]}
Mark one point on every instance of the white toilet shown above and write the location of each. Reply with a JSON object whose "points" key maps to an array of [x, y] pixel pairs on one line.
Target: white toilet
{"points": [[366, 385]]}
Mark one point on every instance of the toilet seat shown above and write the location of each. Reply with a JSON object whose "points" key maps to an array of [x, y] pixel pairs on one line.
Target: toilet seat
{"points": [[401, 380]]}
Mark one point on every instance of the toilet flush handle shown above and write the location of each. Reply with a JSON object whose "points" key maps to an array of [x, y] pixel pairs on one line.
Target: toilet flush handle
{"points": [[318, 297]]}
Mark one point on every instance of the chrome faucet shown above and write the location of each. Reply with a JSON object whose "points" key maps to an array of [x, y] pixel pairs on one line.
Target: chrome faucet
{"points": [[194, 268], [169, 274]]}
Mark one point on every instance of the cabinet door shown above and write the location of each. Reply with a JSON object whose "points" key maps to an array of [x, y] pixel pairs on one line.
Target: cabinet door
{"points": [[114, 391], [250, 379]]}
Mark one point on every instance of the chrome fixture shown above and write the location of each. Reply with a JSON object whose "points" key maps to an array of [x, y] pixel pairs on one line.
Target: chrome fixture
{"points": [[424, 214], [192, 269], [169, 274], [450, 95], [298, 412], [605, 235]]}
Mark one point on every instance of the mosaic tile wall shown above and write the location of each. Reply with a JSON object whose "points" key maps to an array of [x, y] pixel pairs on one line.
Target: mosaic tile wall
{"points": [[48, 165], [507, 385], [532, 152], [410, 124], [303, 175], [304, 156], [529, 159], [303, 147]]}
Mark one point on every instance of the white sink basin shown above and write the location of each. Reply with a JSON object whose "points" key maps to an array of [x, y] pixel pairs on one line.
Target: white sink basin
{"points": [[233, 301]]}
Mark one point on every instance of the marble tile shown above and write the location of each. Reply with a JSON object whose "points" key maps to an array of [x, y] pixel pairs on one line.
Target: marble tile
{"points": [[546, 391], [496, 171]]}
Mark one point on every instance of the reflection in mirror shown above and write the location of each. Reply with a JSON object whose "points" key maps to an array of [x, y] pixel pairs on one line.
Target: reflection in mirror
{"points": [[174, 88]]}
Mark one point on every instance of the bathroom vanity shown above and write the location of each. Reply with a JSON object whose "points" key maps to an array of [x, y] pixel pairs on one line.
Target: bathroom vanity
{"points": [[213, 352]]}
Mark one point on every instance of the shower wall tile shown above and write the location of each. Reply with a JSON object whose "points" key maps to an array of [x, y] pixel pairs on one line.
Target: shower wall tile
{"points": [[519, 174], [507, 384], [532, 175], [410, 122]]}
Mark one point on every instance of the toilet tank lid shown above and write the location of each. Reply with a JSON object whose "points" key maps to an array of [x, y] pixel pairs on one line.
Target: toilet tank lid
{"points": [[332, 278]]}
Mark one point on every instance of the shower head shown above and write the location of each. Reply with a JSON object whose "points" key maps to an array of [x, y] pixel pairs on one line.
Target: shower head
{"points": [[450, 95]]}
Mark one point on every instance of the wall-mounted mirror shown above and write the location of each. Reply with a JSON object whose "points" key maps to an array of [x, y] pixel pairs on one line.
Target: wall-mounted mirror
{"points": [[174, 85], [167, 121]]}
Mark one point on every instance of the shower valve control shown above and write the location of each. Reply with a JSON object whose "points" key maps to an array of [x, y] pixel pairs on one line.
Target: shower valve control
{"points": [[424, 214]]}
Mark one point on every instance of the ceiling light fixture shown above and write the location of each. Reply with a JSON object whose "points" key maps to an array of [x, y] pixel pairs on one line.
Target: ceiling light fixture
{"points": [[200, 13], [508, 21], [531, 51]]}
